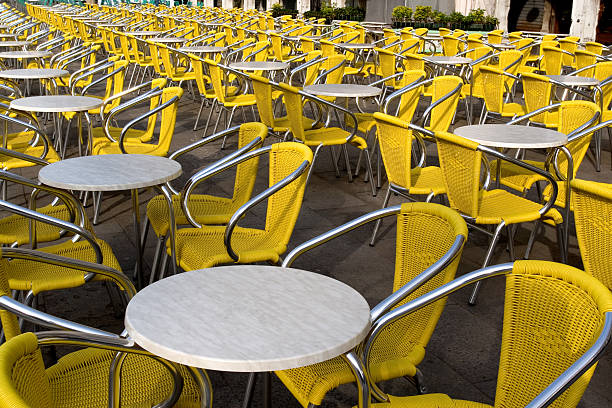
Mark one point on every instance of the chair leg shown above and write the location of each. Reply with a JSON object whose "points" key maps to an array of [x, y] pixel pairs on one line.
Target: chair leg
{"points": [[379, 222], [195, 126], [347, 162], [561, 242], [610, 143], [156, 257], [369, 173], [97, 200], [494, 239], [598, 150], [210, 112], [531, 240], [228, 124], [248, 393], [314, 157]]}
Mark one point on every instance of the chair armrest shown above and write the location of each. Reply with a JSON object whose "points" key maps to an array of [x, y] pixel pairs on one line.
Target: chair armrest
{"points": [[438, 102], [534, 113], [122, 94], [124, 106], [401, 91], [256, 200], [103, 78]]}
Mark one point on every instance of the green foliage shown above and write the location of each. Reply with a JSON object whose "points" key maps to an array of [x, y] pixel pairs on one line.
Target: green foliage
{"points": [[422, 13], [439, 17], [337, 13], [456, 18], [490, 20], [278, 10], [476, 16], [401, 13]]}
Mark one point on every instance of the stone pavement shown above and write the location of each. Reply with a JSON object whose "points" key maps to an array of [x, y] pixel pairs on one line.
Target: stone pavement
{"points": [[462, 355]]}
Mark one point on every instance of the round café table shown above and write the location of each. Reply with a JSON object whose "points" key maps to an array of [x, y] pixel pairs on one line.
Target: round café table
{"points": [[574, 80], [343, 90], [170, 40], [356, 46], [521, 137], [143, 33], [61, 104], [447, 60], [14, 43], [28, 74], [24, 55], [117, 172], [249, 318], [259, 66], [202, 49], [7, 35]]}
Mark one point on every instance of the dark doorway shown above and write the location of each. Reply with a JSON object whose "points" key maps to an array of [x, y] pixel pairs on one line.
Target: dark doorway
{"points": [[290, 4], [315, 4], [261, 5], [604, 27]]}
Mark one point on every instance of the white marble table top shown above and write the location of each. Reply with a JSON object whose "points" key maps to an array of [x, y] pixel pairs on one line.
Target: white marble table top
{"points": [[7, 35], [171, 40], [356, 46], [247, 318], [143, 33], [343, 90], [574, 80], [111, 172], [25, 54], [56, 103], [512, 136], [203, 48], [14, 43], [33, 73], [443, 59], [502, 46], [259, 65], [111, 25]]}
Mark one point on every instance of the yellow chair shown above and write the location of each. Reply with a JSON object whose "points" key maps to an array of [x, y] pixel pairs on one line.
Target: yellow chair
{"points": [[555, 317], [569, 46], [176, 64], [553, 60], [168, 106], [445, 94], [395, 139], [496, 89], [81, 378], [594, 47], [538, 93], [206, 209], [426, 234], [461, 161], [450, 45], [205, 247], [323, 136]]}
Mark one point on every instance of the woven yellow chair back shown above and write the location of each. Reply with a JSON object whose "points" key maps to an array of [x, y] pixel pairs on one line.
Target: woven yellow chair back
{"points": [[444, 31], [508, 57], [570, 46], [476, 54], [284, 206], [406, 33], [168, 119], [246, 172], [549, 37], [493, 88], [494, 37], [450, 45], [125, 48], [294, 106], [216, 79], [114, 84], [10, 325], [410, 100], [413, 61], [553, 60], [263, 97], [592, 204], [584, 59], [312, 72], [474, 43], [537, 92], [395, 141], [201, 77], [334, 77], [307, 45], [603, 70], [410, 45], [425, 232], [442, 115], [573, 114], [552, 315], [594, 47], [387, 62], [23, 380], [155, 58], [460, 162]]}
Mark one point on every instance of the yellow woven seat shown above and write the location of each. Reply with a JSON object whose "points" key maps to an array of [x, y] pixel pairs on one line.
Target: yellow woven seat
{"points": [[8, 163], [495, 86], [39, 278], [553, 315], [198, 248], [14, 229], [425, 233], [332, 137], [592, 204], [499, 205]]}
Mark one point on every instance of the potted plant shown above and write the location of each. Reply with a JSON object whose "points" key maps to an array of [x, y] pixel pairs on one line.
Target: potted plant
{"points": [[476, 19], [401, 16], [440, 19], [422, 16], [456, 20], [490, 23]]}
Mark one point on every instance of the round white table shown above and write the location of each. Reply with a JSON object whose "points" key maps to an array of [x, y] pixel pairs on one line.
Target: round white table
{"points": [[143, 33], [7, 35], [249, 318], [169, 40], [343, 90], [56, 103], [574, 80], [512, 136], [15, 43], [116, 172], [33, 73], [203, 49], [259, 66], [356, 46], [25, 54], [447, 60]]}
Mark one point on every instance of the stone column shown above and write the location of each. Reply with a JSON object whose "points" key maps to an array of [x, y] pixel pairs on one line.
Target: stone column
{"points": [[270, 3], [303, 6], [338, 3], [227, 4], [585, 15], [208, 3], [248, 4]]}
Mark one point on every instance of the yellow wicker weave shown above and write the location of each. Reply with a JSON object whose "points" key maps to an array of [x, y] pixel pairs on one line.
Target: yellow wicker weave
{"points": [[424, 233], [16, 229], [198, 248], [593, 216], [552, 315]]}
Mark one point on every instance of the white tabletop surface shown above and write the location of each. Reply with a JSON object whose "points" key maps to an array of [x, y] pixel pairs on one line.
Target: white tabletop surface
{"points": [[170, 40], [33, 73], [110, 172], [203, 48], [512, 136], [259, 65], [25, 54], [14, 43], [143, 32], [574, 80], [443, 59], [357, 46], [248, 318], [7, 35], [343, 90], [56, 103]]}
